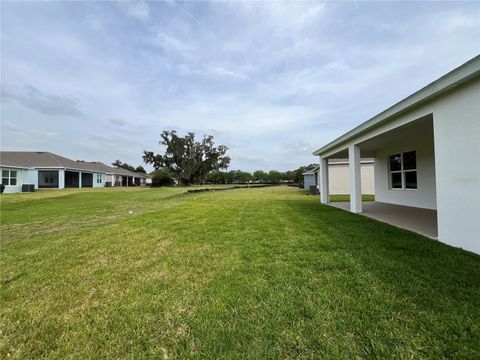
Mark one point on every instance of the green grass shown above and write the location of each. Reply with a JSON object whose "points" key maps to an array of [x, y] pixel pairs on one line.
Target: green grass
{"points": [[346, 197], [241, 274]]}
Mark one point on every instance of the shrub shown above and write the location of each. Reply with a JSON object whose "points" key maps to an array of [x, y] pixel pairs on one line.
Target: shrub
{"points": [[162, 177]]}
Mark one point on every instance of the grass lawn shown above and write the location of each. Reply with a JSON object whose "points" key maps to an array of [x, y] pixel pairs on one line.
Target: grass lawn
{"points": [[249, 273]]}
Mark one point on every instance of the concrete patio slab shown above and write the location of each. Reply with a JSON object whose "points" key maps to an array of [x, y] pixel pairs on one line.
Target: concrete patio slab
{"points": [[421, 221]]}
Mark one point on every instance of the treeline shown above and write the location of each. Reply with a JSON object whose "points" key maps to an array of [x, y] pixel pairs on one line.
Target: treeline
{"points": [[259, 176], [188, 161]]}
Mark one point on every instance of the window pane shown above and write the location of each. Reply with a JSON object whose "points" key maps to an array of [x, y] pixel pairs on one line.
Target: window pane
{"points": [[395, 162], [4, 173], [13, 173], [411, 180], [396, 179], [13, 181], [5, 181], [409, 160]]}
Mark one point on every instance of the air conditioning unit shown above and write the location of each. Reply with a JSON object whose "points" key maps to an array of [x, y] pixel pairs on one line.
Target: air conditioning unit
{"points": [[28, 188]]}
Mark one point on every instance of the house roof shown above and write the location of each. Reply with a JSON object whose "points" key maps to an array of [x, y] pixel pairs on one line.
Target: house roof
{"points": [[142, 175], [41, 159], [125, 172], [454, 78], [45, 159], [312, 171]]}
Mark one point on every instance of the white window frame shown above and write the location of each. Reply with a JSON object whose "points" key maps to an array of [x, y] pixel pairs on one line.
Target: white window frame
{"points": [[10, 177], [402, 171], [99, 178]]}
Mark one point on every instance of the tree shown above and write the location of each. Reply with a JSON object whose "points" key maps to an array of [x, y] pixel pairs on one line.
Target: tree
{"points": [[189, 161], [140, 169], [162, 177], [260, 176], [119, 164], [239, 177], [274, 176], [217, 177]]}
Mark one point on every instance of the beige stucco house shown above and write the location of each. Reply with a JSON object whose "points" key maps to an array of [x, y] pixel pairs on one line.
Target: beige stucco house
{"points": [[338, 177]]}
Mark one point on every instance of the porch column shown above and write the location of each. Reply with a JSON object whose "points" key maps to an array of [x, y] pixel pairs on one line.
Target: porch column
{"points": [[61, 179], [323, 181], [79, 179], [355, 179]]}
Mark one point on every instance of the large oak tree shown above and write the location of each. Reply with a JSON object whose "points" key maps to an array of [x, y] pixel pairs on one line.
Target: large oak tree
{"points": [[188, 160]]}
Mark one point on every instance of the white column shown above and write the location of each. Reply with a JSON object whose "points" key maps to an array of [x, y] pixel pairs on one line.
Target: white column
{"points": [[61, 179], [355, 179], [323, 181], [79, 179]]}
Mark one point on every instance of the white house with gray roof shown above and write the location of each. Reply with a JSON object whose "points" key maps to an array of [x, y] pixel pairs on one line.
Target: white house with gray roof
{"points": [[426, 151], [45, 170]]}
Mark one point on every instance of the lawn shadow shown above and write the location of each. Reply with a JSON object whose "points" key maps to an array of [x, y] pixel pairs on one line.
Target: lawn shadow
{"points": [[417, 266]]}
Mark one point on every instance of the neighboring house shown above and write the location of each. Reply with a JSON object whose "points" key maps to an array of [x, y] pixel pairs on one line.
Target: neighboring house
{"points": [[142, 179], [47, 170], [338, 177], [310, 178], [426, 151]]}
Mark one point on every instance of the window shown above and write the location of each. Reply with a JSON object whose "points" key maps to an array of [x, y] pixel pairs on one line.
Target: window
{"points": [[49, 179], [403, 170], [99, 178], [9, 177]]}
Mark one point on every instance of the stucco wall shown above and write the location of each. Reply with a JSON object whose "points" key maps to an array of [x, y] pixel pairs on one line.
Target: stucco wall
{"points": [[309, 180], [339, 179], [456, 124], [22, 174], [456, 134], [102, 184], [425, 195]]}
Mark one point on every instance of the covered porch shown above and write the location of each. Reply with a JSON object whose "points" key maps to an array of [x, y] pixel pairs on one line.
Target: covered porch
{"points": [[421, 221], [404, 176]]}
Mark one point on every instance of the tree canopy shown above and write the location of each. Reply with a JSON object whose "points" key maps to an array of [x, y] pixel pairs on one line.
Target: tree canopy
{"points": [[119, 164], [189, 161]]}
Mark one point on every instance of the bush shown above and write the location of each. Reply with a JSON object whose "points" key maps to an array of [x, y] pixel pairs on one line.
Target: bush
{"points": [[162, 177]]}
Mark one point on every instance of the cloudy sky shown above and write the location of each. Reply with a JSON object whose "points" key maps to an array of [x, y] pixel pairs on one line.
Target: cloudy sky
{"points": [[271, 80]]}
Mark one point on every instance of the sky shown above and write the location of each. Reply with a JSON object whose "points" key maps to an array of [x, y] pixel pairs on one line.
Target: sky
{"points": [[274, 81]]}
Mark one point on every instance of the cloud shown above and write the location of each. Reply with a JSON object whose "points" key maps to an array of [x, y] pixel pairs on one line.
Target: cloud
{"points": [[271, 80], [24, 136], [32, 98], [118, 121], [136, 8], [172, 44]]}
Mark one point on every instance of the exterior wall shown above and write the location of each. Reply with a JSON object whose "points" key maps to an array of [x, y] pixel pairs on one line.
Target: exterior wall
{"points": [[32, 177], [456, 123], [309, 180], [111, 179], [22, 175], [425, 194], [456, 129], [103, 178], [339, 179]]}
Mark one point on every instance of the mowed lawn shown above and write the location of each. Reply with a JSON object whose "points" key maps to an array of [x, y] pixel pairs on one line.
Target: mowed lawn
{"points": [[240, 274]]}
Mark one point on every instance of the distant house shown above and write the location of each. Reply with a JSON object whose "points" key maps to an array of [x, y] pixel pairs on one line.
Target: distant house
{"points": [[142, 179], [426, 151], [338, 177], [45, 170], [310, 178]]}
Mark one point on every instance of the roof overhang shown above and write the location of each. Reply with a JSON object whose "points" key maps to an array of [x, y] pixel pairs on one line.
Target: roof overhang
{"points": [[451, 80]]}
